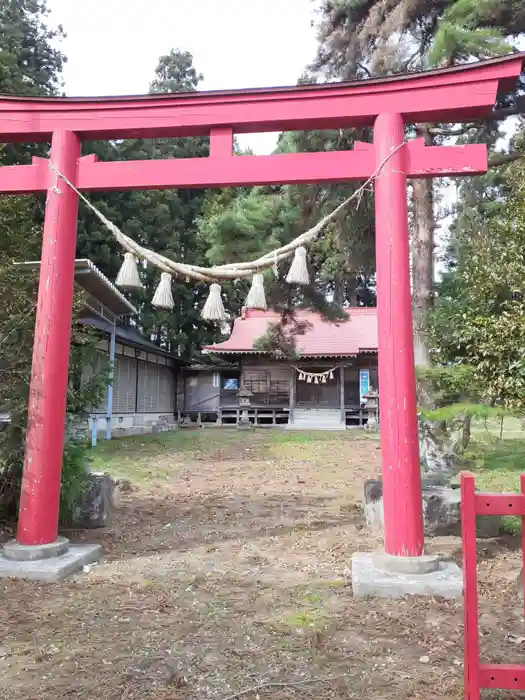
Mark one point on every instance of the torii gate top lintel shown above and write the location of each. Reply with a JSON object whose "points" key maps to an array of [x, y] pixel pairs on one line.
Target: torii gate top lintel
{"points": [[448, 95], [452, 94]]}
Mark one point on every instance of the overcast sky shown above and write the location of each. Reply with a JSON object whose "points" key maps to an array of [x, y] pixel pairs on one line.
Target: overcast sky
{"points": [[113, 45]]}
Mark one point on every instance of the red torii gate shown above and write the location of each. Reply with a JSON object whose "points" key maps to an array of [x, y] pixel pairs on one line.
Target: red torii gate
{"points": [[446, 95]]}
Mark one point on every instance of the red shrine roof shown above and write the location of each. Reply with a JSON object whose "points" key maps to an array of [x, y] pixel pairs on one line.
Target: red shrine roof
{"points": [[322, 338]]}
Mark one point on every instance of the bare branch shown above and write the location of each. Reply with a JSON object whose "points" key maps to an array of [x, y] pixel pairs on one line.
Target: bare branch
{"points": [[441, 131], [418, 52], [364, 69], [496, 115], [505, 158]]}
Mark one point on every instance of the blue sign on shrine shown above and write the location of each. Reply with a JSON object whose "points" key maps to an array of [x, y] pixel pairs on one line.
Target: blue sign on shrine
{"points": [[364, 384]]}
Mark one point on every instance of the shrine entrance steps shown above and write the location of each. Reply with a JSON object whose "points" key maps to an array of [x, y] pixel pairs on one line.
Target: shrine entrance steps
{"points": [[316, 419]]}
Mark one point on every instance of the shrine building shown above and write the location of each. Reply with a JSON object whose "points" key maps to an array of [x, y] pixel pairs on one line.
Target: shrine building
{"points": [[325, 386]]}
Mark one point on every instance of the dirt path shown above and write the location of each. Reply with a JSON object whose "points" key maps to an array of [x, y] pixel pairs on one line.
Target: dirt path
{"points": [[227, 571]]}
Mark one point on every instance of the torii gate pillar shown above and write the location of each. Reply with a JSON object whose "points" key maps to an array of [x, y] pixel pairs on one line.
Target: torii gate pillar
{"points": [[39, 500], [398, 414]]}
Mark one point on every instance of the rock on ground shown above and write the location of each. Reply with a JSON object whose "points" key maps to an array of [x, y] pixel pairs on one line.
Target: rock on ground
{"points": [[95, 506], [441, 511]]}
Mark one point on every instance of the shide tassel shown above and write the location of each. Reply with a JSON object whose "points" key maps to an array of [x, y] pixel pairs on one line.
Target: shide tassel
{"points": [[298, 272], [128, 276], [323, 380], [163, 298], [331, 374], [213, 309], [256, 298], [308, 379]]}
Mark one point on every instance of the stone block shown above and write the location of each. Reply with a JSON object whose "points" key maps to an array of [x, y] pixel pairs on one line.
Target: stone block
{"points": [[52, 569], [96, 505], [371, 579], [441, 511]]}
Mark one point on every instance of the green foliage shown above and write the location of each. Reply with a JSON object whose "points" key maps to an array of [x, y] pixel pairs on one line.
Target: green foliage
{"points": [[280, 338], [30, 63], [243, 224], [175, 73], [16, 338], [480, 318], [449, 393], [478, 411], [461, 33], [74, 481], [447, 384], [457, 42]]}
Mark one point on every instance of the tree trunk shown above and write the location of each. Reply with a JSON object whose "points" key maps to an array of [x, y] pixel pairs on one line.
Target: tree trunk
{"points": [[422, 258], [339, 292]]}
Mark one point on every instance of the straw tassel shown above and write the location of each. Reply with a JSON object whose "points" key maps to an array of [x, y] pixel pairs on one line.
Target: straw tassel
{"points": [[256, 298], [316, 380], [213, 309], [331, 374], [163, 298], [128, 276], [308, 379], [298, 272], [324, 379]]}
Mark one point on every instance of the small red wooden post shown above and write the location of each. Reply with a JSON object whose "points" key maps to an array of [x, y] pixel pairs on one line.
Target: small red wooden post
{"points": [[470, 586], [522, 488], [397, 384], [38, 517]]}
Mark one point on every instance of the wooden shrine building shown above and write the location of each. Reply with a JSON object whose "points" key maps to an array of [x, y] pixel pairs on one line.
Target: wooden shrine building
{"points": [[325, 387]]}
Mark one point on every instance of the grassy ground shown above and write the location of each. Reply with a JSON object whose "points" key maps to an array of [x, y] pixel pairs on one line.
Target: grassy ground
{"points": [[225, 568], [498, 454]]}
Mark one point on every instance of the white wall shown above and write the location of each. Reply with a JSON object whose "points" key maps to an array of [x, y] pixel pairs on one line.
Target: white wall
{"points": [[133, 423]]}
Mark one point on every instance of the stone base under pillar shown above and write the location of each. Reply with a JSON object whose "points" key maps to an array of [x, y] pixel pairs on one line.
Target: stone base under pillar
{"points": [[51, 569], [370, 578]]}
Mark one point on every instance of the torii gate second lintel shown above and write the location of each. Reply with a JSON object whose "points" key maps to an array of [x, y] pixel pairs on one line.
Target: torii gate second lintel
{"points": [[451, 95]]}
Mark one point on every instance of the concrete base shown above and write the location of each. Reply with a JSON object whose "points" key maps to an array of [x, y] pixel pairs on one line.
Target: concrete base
{"points": [[370, 577], [25, 552], [390, 564], [52, 569]]}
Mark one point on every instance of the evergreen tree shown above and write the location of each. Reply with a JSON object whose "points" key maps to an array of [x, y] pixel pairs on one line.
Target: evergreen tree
{"points": [[164, 221], [243, 224], [29, 65], [356, 42]]}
